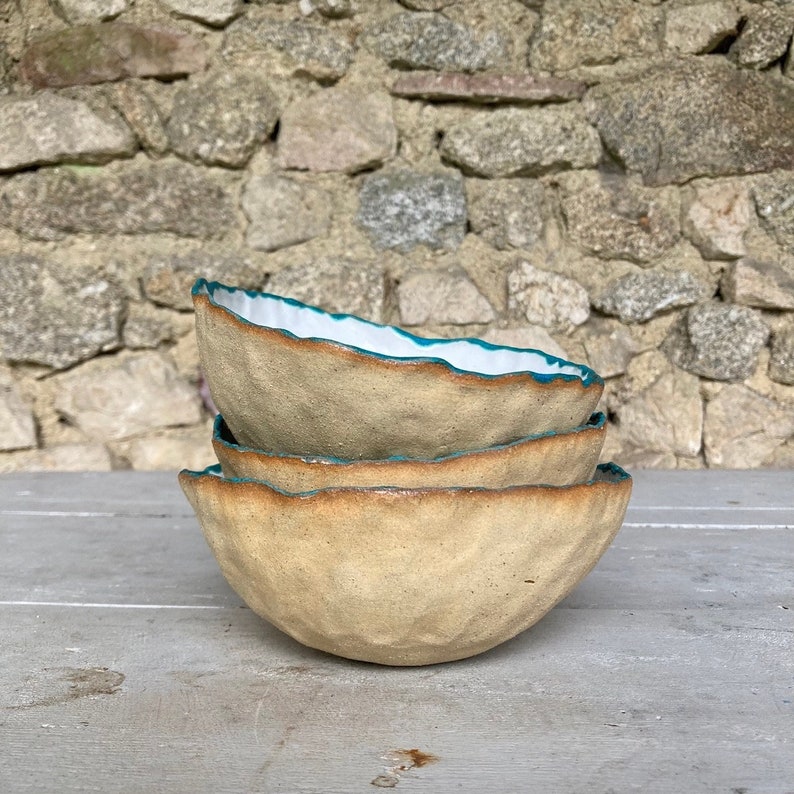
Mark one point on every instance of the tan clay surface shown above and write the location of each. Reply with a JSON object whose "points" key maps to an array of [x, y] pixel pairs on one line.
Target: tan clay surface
{"points": [[406, 577]]}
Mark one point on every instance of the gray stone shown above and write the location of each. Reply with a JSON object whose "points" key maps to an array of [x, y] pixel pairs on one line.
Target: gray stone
{"points": [[742, 429], [486, 88], [292, 48], [527, 337], [167, 280], [162, 197], [216, 13], [282, 212], [609, 348], [337, 129], [508, 213], [340, 286], [16, 416], [781, 360], [90, 10], [141, 115], [56, 315], [146, 326], [717, 340], [126, 396], [432, 41], [765, 37], [426, 5], [61, 457], [701, 27], [591, 32], [441, 297], [774, 203], [616, 218], [702, 118], [547, 299], [47, 128], [716, 219], [522, 142], [403, 209], [107, 52], [335, 9], [766, 285], [222, 119], [637, 297], [168, 450]]}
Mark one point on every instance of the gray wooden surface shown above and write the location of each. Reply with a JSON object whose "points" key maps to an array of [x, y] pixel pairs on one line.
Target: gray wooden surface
{"points": [[128, 665]]}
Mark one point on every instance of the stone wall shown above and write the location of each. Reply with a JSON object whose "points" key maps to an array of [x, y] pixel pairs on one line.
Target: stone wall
{"points": [[612, 181]]}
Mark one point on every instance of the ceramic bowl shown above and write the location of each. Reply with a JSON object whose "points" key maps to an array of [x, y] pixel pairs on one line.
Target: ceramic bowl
{"points": [[294, 379], [406, 576], [551, 458]]}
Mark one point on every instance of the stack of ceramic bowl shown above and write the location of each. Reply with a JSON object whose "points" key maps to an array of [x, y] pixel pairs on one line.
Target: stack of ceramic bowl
{"points": [[390, 498]]}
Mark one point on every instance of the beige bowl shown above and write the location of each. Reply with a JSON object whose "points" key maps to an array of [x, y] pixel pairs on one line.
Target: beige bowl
{"points": [[551, 458], [406, 576], [291, 378]]}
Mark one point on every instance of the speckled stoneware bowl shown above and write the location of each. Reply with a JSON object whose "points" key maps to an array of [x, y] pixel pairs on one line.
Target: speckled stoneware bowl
{"points": [[551, 458], [294, 379], [406, 576]]}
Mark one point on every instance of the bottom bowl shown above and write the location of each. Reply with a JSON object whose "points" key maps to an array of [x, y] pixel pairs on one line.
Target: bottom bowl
{"points": [[406, 576]]}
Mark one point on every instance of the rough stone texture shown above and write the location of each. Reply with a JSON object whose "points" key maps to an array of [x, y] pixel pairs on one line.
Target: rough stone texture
{"points": [[107, 52], [147, 326], [765, 37], [441, 297], [56, 315], [163, 197], [742, 429], [61, 457], [774, 202], [426, 5], [700, 118], [573, 33], [216, 13], [169, 450], [127, 396], [486, 88], [546, 299], [337, 129], [168, 280], [222, 119], [335, 9], [403, 209], [610, 348], [89, 10], [716, 219], [293, 48], [47, 128], [431, 41], [522, 142], [666, 415], [528, 337], [765, 285], [282, 212], [508, 213], [16, 417], [781, 360], [701, 27], [636, 297], [718, 341], [335, 285], [616, 218], [141, 115]]}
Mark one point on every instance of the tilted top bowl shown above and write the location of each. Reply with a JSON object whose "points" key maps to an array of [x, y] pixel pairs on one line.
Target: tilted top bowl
{"points": [[551, 458], [291, 378], [406, 576]]}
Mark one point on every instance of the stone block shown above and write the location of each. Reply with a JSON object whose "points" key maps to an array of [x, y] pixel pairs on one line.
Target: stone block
{"points": [[216, 13], [16, 416], [701, 27], [441, 297], [765, 285], [508, 213], [716, 218]]}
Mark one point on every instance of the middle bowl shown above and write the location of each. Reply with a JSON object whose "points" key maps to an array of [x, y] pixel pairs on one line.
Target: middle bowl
{"points": [[291, 378], [549, 458]]}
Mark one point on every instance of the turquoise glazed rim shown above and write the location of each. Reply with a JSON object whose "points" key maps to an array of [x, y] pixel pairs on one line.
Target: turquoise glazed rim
{"points": [[221, 434], [605, 472], [222, 295]]}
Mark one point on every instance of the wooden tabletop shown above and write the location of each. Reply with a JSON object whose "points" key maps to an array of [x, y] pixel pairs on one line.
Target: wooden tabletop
{"points": [[128, 665]]}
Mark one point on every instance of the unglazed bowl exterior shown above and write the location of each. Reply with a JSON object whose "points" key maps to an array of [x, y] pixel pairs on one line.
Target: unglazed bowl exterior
{"points": [[406, 576], [315, 385], [550, 458]]}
